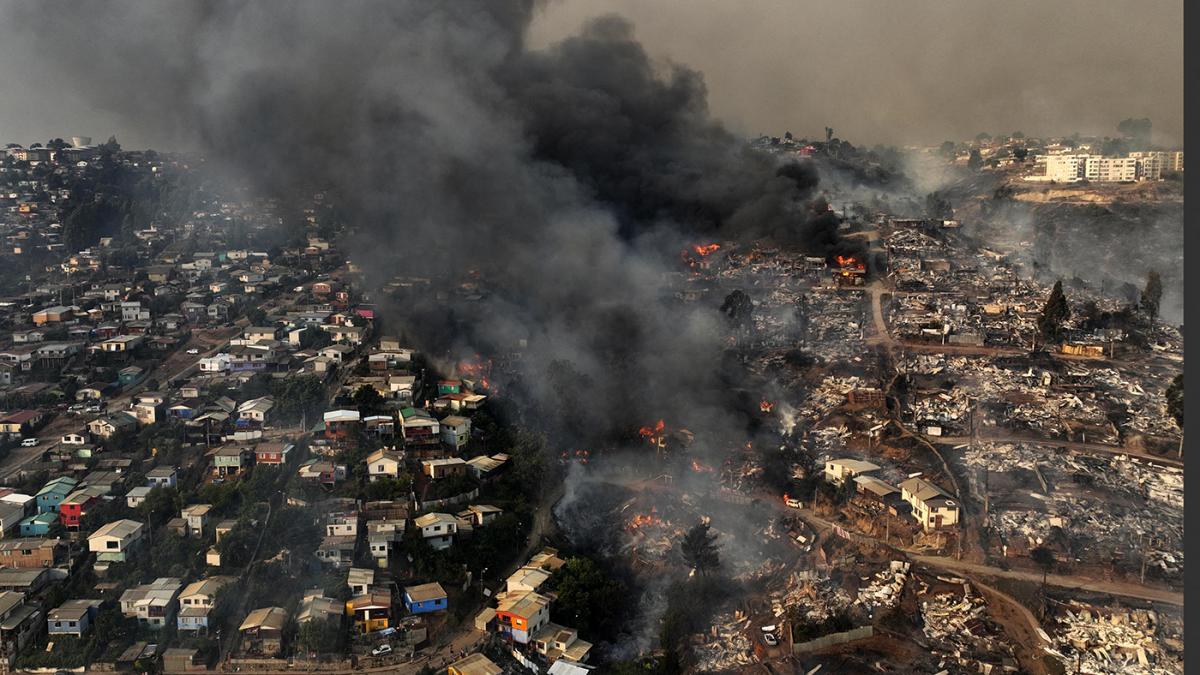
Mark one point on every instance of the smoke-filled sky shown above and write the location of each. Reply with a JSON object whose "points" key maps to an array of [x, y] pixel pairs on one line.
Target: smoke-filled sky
{"points": [[919, 71]]}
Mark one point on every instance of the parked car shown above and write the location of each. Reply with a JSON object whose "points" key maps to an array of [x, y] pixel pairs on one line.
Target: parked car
{"points": [[381, 650], [193, 350], [770, 639], [793, 502], [29, 443]]}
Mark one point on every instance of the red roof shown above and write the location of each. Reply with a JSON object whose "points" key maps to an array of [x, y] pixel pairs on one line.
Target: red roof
{"points": [[20, 417]]}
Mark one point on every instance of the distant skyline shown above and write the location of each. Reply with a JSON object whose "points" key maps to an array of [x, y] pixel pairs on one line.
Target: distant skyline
{"points": [[917, 72]]}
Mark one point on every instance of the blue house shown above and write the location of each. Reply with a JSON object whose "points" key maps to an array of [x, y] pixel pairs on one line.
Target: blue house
{"points": [[424, 598], [73, 617], [39, 525], [53, 493]]}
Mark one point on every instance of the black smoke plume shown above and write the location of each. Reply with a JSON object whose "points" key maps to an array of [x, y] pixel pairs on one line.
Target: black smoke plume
{"points": [[567, 178]]}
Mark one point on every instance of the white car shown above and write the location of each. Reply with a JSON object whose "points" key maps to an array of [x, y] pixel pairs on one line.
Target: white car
{"points": [[29, 443], [381, 650], [193, 350], [770, 639], [794, 503]]}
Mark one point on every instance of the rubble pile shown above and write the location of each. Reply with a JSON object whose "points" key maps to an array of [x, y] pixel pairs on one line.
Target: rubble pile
{"points": [[1114, 504], [727, 646], [1116, 643], [810, 596], [827, 396], [885, 587], [961, 632]]}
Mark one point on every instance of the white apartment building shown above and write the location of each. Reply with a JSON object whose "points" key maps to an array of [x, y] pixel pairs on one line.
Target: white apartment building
{"points": [[1110, 169]]}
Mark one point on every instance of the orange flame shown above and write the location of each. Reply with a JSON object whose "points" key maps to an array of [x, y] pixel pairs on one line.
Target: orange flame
{"points": [[701, 468], [651, 432], [850, 261], [644, 520], [706, 249], [766, 406]]}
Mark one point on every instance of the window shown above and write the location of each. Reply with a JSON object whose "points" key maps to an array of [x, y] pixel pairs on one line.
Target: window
{"points": [[112, 544]]}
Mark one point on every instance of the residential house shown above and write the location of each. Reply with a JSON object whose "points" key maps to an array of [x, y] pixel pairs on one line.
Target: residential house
{"points": [[557, 642], [838, 470], [37, 525], [527, 579], [425, 598], [314, 606], [322, 471], [437, 469], [384, 463], [54, 492], [106, 427], [456, 431], [162, 477], [230, 460], [20, 623], [419, 428], [382, 538], [26, 581], [372, 611], [196, 516], [262, 630], [152, 604], [483, 467], [932, 507], [359, 580], [337, 550], [21, 422], [73, 439], [72, 617], [72, 509], [341, 423], [256, 410], [437, 529], [136, 496], [481, 514], [196, 601], [521, 615], [55, 314], [272, 453], [29, 553], [116, 540]]}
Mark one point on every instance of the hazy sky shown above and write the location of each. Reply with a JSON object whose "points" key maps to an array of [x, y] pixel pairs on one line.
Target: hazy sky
{"points": [[917, 71]]}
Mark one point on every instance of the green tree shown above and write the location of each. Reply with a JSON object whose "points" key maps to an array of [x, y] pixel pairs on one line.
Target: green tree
{"points": [[1054, 314], [700, 550], [588, 599], [975, 160], [320, 636], [368, 400], [1020, 153], [983, 136], [1152, 295], [948, 149]]}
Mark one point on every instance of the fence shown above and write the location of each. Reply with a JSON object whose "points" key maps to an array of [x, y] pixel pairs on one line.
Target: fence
{"points": [[456, 499]]}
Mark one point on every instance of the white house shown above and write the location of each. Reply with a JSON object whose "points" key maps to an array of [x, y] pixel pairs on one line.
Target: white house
{"points": [[384, 464], [931, 506], [438, 529], [114, 541]]}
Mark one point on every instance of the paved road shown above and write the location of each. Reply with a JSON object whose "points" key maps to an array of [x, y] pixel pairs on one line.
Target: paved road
{"points": [[1078, 446], [1125, 589]]}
